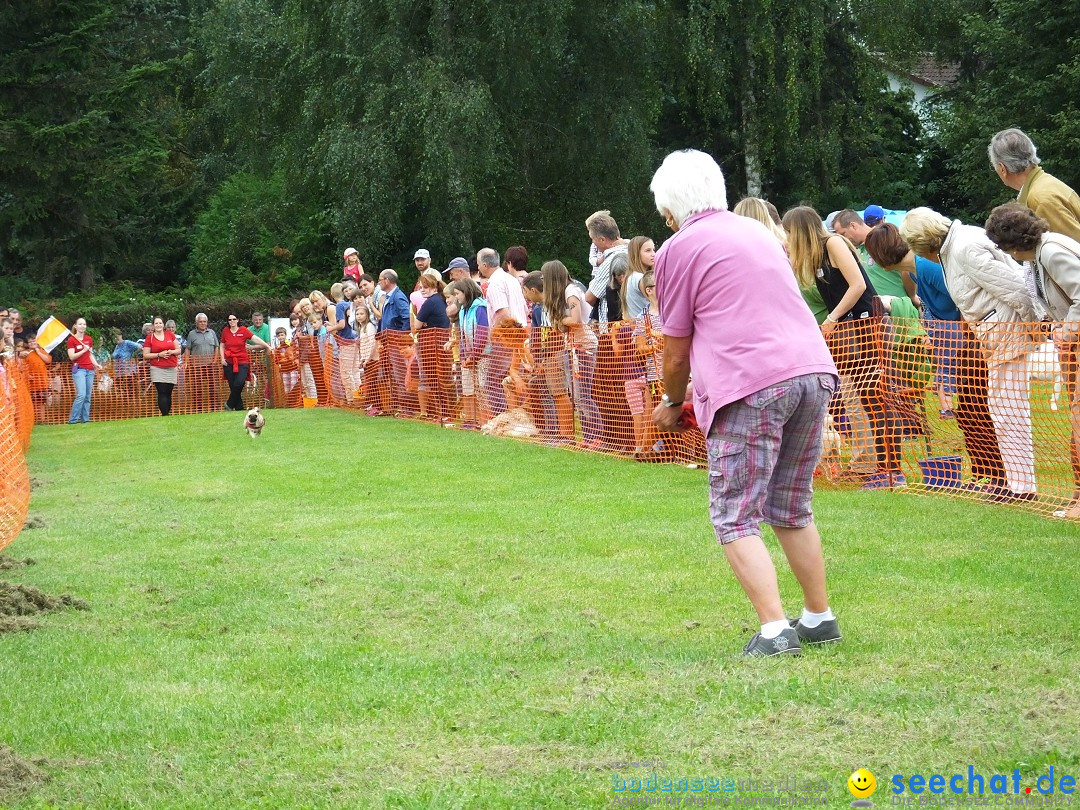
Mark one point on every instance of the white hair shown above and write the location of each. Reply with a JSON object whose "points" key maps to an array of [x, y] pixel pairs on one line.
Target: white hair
{"points": [[688, 182], [1014, 149]]}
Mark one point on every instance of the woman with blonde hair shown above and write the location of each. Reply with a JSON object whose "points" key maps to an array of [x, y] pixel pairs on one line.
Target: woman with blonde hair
{"points": [[989, 290], [829, 262], [323, 305], [758, 209]]}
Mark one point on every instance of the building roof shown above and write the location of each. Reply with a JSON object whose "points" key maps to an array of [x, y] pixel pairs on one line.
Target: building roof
{"points": [[931, 72]]}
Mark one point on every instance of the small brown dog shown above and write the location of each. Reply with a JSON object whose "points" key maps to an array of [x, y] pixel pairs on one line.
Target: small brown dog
{"points": [[253, 422]]}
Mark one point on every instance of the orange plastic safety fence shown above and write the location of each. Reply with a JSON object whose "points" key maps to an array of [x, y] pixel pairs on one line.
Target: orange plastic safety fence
{"points": [[123, 389], [21, 398], [985, 411], [14, 479]]}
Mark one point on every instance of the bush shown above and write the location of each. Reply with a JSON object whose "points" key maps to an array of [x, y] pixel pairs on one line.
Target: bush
{"points": [[251, 237]]}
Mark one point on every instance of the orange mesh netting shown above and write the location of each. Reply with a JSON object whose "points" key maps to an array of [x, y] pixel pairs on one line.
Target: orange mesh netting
{"points": [[122, 390], [14, 479], [983, 411]]}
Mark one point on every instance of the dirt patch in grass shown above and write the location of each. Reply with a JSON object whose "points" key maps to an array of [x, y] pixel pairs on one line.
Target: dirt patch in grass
{"points": [[20, 602], [7, 563], [18, 775], [35, 522]]}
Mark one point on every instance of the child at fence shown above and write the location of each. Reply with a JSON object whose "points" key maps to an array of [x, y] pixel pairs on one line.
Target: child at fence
{"points": [[649, 345], [514, 337], [472, 331], [568, 313], [36, 361], [366, 347], [313, 333], [453, 354], [286, 359], [549, 348], [540, 403], [631, 370]]}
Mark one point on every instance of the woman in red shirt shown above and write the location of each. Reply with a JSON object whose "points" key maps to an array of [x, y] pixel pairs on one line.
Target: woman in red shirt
{"points": [[162, 349], [83, 366], [234, 359]]}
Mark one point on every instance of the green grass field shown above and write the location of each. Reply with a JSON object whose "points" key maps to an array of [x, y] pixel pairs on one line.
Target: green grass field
{"points": [[356, 612]]}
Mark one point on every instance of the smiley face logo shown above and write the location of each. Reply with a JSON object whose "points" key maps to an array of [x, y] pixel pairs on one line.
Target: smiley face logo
{"points": [[862, 784]]}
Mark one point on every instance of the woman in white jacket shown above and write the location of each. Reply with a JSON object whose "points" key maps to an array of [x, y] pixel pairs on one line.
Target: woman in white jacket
{"points": [[1055, 258], [988, 288]]}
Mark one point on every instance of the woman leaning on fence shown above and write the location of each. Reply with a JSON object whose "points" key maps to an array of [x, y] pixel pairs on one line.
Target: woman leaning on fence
{"points": [[1055, 258], [829, 262], [988, 288]]}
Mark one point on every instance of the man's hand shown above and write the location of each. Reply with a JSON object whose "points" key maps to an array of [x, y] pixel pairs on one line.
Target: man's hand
{"points": [[667, 419]]}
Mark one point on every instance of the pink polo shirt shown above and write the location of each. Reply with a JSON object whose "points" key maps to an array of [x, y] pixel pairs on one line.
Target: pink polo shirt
{"points": [[504, 292], [725, 281]]}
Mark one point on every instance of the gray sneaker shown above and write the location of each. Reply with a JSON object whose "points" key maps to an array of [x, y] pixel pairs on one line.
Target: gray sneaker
{"points": [[787, 643], [828, 632]]}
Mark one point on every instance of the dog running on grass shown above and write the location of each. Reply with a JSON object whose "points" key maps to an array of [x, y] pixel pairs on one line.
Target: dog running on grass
{"points": [[253, 422]]}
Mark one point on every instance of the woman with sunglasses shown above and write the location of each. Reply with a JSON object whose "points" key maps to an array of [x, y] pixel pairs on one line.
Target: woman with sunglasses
{"points": [[234, 359]]}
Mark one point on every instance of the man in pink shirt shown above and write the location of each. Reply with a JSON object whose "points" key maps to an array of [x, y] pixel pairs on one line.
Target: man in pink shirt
{"points": [[505, 302], [504, 296], [763, 377]]}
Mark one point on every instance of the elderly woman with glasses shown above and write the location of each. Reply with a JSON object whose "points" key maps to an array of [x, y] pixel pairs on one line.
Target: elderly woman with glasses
{"points": [[234, 359]]}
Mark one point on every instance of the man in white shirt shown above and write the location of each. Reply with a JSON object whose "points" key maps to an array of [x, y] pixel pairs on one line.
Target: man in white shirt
{"points": [[505, 302], [605, 236]]}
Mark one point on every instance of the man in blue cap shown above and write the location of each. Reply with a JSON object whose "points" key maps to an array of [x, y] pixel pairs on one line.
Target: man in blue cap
{"points": [[457, 269]]}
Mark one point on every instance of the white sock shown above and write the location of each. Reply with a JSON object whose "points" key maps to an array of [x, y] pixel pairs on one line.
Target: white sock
{"points": [[814, 619], [771, 630]]}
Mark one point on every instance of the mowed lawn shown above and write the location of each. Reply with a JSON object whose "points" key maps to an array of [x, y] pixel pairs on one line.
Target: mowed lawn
{"points": [[358, 612]]}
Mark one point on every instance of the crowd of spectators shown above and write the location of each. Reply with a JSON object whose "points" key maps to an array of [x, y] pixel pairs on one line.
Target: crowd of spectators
{"points": [[486, 336]]}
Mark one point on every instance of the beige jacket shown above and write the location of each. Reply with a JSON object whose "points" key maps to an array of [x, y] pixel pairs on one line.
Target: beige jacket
{"points": [[988, 288], [1057, 269], [1052, 200]]}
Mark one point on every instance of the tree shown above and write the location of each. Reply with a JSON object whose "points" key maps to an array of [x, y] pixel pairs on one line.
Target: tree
{"points": [[788, 100], [91, 178], [1019, 66]]}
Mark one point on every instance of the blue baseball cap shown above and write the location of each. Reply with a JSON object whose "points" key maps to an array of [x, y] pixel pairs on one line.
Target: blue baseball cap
{"points": [[873, 214]]}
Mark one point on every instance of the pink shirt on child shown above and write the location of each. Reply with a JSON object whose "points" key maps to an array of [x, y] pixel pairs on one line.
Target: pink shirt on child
{"points": [[725, 281]]}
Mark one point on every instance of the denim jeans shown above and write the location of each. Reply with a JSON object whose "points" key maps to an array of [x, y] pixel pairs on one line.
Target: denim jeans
{"points": [[84, 388]]}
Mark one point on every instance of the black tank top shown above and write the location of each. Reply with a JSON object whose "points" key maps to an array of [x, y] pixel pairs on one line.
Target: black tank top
{"points": [[833, 287]]}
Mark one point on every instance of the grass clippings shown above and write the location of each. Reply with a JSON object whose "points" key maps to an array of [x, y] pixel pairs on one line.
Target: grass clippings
{"points": [[19, 602], [7, 563], [18, 775]]}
